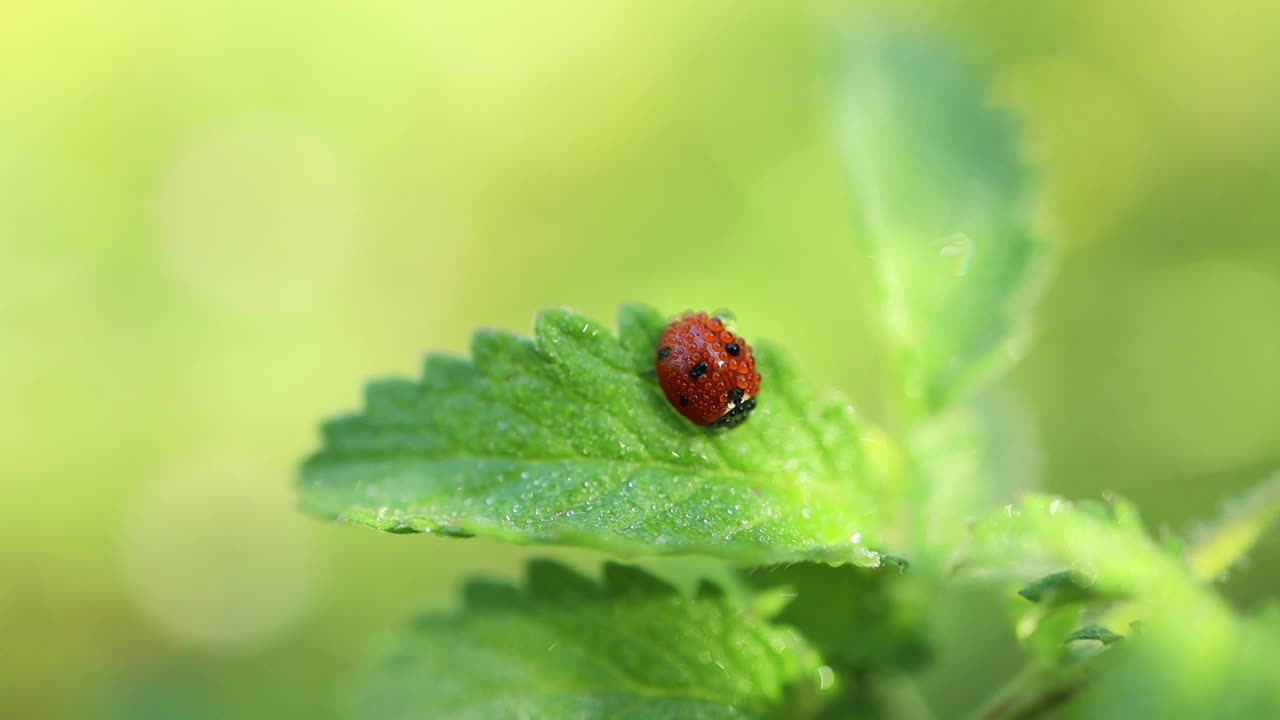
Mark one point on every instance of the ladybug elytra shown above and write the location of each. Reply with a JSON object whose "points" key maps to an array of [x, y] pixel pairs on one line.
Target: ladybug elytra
{"points": [[707, 372]]}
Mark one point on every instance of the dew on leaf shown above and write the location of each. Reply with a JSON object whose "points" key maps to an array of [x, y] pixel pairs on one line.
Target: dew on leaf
{"points": [[463, 456]]}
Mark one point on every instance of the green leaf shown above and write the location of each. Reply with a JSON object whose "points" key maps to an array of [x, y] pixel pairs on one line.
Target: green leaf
{"points": [[1103, 544], [1049, 609], [1060, 588], [1094, 632], [568, 439], [1180, 665], [944, 205], [566, 647], [1182, 670]]}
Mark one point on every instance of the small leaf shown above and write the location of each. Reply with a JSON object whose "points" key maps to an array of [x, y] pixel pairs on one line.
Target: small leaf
{"points": [[943, 204], [1048, 610], [633, 647], [1093, 632], [1060, 588], [568, 439], [1193, 658]]}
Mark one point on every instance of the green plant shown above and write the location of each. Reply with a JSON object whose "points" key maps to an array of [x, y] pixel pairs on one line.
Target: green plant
{"points": [[837, 530]]}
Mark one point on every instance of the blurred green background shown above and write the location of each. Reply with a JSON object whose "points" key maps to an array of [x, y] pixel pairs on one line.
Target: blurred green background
{"points": [[218, 219]]}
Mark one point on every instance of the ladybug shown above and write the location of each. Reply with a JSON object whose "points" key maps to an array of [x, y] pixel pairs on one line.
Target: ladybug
{"points": [[707, 372]]}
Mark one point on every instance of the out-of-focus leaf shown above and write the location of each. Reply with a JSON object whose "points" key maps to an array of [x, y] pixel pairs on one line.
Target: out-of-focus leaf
{"points": [[1104, 545], [1186, 670], [1060, 588], [1194, 657], [1094, 632], [568, 439], [567, 647], [943, 204], [1047, 610]]}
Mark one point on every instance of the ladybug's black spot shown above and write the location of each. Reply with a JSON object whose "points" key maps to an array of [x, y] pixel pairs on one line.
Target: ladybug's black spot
{"points": [[698, 370], [735, 395], [664, 351], [737, 415], [684, 401], [733, 348]]}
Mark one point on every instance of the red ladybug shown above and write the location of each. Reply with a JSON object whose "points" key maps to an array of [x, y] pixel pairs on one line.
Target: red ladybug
{"points": [[707, 372]]}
